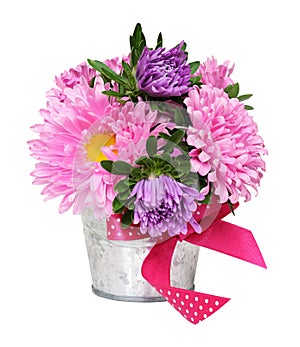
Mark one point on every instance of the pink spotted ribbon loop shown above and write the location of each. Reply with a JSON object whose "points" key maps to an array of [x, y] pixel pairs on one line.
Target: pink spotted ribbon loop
{"points": [[115, 232], [217, 235]]}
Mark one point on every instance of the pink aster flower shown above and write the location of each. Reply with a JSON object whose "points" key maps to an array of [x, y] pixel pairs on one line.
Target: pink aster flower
{"points": [[68, 79], [72, 136], [60, 134], [72, 77], [228, 148], [215, 75], [116, 63]]}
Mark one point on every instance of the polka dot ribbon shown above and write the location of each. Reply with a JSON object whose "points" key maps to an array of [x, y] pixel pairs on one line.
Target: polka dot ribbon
{"points": [[193, 306], [115, 232], [217, 235]]}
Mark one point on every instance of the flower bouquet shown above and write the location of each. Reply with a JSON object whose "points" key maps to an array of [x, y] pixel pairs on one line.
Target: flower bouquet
{"points": [[151, 150]]}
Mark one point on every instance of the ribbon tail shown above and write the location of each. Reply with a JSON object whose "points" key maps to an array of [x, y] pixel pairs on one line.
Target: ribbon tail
{"points": [[193, 306], [230, 239], [157, 264]]}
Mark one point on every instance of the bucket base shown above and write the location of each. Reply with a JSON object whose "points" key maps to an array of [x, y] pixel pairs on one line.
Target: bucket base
{"points": [[129, 298]]}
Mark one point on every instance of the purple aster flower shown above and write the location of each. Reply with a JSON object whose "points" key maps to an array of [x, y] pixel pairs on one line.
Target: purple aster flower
{"points": [[163, 204], [163, 74]]}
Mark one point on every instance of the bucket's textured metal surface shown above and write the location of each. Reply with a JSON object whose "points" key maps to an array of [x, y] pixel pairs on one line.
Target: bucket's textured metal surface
{"points": [[116, 265]]}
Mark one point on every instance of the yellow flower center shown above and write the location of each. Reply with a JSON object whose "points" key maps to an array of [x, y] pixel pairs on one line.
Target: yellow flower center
{"points": [[93, 148]]}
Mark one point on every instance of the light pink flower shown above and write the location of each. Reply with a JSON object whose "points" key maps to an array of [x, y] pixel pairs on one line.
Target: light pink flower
{"points": [[68, 79], [116, 63], [61, 132], [72, 77], [228, 148], [64, 165], [215, 75]]}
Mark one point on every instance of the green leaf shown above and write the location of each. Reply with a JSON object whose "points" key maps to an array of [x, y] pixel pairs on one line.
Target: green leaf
{"points": [[195, 80], [121, 168], [107, 165], [174, 140], [128, 75], [244, 97], [130, 203], [132, 82], [123, 196], [135, 172], [120, 210], [126, 66], [151, 146], [231, 207], [168, 168], [113, 93], [179, 175], [92, 82], [249, 108], [121, 89], [149, 162], [122, 186], [107, 72], [127, 219], [207, 200], [132, 42], [159, 43], [189, 181], [194, 66], [185, 166], [141, 160], [183, 157], [164, 136], [143, 42], [97, 65], [169, 147], [183, 48], [137, 34], [181, 117], [234, 91], [187, 118], [202, 181], [177, 136], [145, 174], [166, 157], [117, 205], [137, 44], [134, 57], [228, 88], [175, 164]]}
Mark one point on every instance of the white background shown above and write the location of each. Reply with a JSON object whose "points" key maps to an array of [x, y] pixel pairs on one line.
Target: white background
{"points": [[45, 295]]}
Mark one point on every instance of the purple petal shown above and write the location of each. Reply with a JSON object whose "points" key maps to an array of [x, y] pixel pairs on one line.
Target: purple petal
{"points": [[164, 205]]}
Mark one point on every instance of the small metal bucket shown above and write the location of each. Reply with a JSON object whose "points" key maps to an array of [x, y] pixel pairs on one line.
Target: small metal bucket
{"points": [[116, 265]]}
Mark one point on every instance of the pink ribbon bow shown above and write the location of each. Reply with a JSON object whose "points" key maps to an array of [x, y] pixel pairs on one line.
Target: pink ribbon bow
{"points": [[217, 235]]}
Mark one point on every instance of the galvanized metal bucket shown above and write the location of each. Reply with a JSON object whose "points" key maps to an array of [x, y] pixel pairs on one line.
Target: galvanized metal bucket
{"points": [[116, 265]]}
